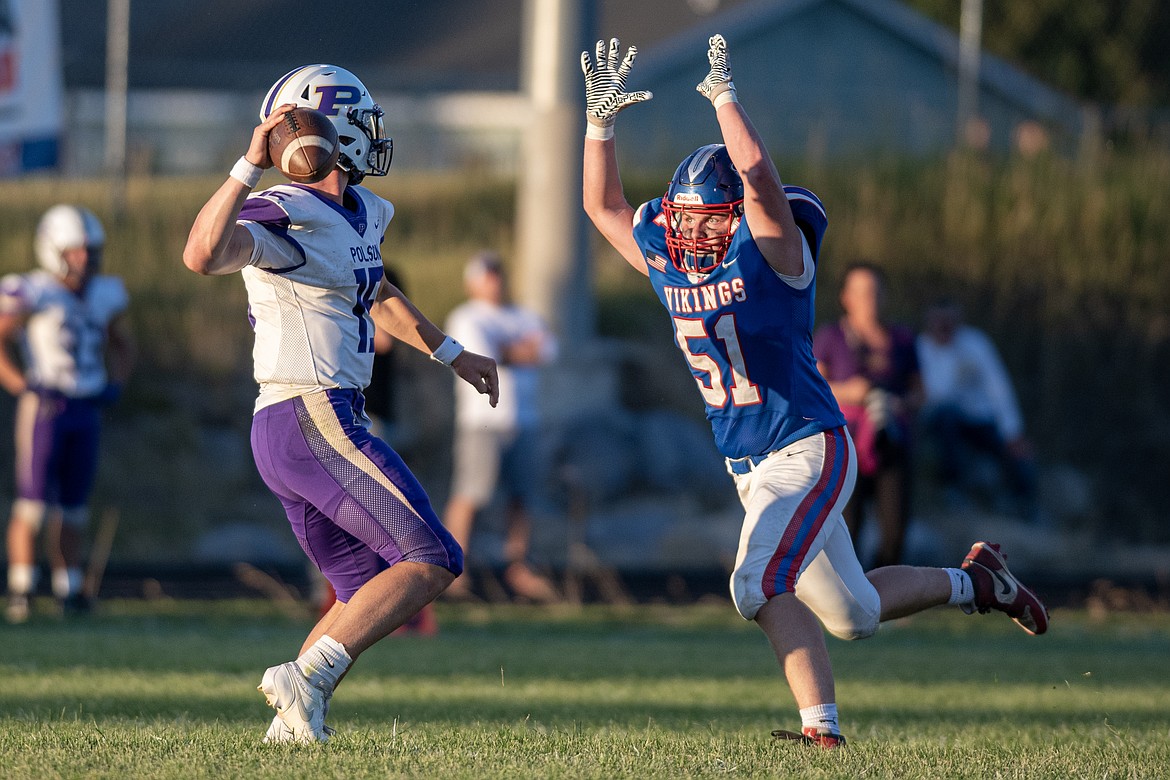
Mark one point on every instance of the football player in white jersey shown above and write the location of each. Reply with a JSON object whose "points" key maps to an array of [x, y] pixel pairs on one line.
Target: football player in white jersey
{"points": [[310, 255], [68, 323]]}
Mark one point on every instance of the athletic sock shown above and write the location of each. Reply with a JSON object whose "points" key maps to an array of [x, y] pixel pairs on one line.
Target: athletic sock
{"points": [[822, 717], [66, 582], [962, 591], [21, 578], [324, 663]]}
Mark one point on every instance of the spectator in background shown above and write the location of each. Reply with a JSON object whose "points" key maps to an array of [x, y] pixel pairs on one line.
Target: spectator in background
{"points": [[69, 322], [499, 448], [872, 369], [970, 406]]}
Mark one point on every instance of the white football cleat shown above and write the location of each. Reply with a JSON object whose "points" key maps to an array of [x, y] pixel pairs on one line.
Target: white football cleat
{"points": [[278, 732], [300, 707]]}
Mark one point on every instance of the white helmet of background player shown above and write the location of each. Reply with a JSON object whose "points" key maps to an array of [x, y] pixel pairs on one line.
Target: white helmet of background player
{"points": [[341, 96], [67, 227]]}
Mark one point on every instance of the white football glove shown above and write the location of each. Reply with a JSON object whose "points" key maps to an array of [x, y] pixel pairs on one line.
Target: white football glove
{"points": [[605, 84], [718, 81]]}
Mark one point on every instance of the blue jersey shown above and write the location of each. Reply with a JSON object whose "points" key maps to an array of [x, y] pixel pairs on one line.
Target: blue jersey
{"points": [[747, 335]]}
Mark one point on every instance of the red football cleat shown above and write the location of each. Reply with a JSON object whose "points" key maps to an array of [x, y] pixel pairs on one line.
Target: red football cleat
{"points": [[997, 588], [810, 736]]}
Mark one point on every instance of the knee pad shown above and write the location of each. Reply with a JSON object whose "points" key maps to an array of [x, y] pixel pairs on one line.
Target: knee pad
{"points": [[748, 597], [75, 517], [861, 621], [29, 511]]}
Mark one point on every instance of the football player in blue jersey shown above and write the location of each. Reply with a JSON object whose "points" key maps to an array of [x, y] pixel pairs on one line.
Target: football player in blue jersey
{"points": [[310, 256], [732, 254]]}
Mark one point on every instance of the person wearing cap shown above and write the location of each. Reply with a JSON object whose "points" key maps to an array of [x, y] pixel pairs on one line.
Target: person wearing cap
{"points": [[498, 449]]}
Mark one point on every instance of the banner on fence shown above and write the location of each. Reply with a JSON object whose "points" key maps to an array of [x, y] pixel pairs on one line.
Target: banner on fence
{"points": [[31, 86]]}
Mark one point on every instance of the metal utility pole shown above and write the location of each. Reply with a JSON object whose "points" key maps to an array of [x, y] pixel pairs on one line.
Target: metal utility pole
{"points": [[117, 86], [970, 47], [551, 239]]}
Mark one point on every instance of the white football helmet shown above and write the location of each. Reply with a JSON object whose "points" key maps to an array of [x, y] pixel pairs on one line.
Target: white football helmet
{"points": [[341, 96], [66, 227]]}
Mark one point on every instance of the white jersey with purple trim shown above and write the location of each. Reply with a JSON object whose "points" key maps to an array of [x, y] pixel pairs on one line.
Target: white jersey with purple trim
{"points": [[64, 340], [312, 278]]}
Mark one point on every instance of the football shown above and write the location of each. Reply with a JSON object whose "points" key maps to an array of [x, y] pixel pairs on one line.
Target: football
{"points": [[304, 146]]}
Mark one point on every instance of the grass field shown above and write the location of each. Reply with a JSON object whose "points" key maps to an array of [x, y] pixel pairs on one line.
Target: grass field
{"points": [[167, 689]]}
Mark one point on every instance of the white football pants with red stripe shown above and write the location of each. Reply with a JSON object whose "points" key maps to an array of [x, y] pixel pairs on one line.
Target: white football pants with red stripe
{"points": [[794, 538]]}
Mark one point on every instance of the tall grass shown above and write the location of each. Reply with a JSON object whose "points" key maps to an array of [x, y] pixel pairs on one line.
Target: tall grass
{"points": [[1064, 262]]}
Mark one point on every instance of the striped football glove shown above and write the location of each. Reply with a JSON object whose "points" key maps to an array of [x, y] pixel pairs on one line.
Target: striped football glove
{"points": [[605, 84], [718, 81]]}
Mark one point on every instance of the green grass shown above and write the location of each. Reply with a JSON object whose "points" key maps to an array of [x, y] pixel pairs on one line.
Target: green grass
{"points": [[168, 690]]}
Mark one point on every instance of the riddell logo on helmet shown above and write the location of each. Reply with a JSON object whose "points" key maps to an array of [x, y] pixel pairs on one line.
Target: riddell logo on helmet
{"points": [[689, 198], [334, 96]]}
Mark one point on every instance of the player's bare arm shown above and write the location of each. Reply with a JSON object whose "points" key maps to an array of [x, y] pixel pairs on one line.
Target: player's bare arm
{"points": [[765, 204], [217, 245], [11, 376], [603, 197], [605, 202], [394, 313]]}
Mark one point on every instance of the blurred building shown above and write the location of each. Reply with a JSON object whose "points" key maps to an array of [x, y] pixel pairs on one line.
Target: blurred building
{"points": [[844, 77]]}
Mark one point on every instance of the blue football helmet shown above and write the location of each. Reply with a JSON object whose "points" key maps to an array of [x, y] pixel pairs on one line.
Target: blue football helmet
{"points": [[705, 184]]}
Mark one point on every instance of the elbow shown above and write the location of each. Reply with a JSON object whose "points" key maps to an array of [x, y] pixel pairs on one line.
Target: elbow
{"points": [[198, 259], [198, 262]]}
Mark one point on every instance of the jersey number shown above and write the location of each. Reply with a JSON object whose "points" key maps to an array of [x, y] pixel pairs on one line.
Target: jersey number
{"points": [[743, 391], [368, 280]]}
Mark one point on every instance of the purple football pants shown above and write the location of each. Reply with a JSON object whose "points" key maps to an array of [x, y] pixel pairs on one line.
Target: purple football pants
{"points": [[56, 448], [353, 504]]}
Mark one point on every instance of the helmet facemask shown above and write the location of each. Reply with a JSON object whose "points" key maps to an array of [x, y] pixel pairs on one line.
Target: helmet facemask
{"points": [[706, 184], [381, 149], [698, 254]]}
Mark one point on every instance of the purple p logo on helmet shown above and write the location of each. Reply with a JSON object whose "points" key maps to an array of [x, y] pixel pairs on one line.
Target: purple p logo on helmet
{"points": [[341, 96], [335, 97]]}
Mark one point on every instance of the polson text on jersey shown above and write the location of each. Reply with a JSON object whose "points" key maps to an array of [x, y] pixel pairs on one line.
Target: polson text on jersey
{"points": [[365, 254]]}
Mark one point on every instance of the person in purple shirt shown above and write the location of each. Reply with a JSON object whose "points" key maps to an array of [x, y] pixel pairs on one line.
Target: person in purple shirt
{"points": [[872, 369]]}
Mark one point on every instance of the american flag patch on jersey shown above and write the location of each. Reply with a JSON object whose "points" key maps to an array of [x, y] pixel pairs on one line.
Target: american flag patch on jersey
{"points": [[654, 261]]}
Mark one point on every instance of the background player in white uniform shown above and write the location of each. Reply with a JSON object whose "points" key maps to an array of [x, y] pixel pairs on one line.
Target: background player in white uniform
{"points": [[739, 284], [62, 318], [311, 260]]}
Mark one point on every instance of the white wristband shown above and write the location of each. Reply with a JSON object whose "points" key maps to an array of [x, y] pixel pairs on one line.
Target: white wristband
{"points": [[447, 351], [597, 132], [726, 96], [246, 173]]}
